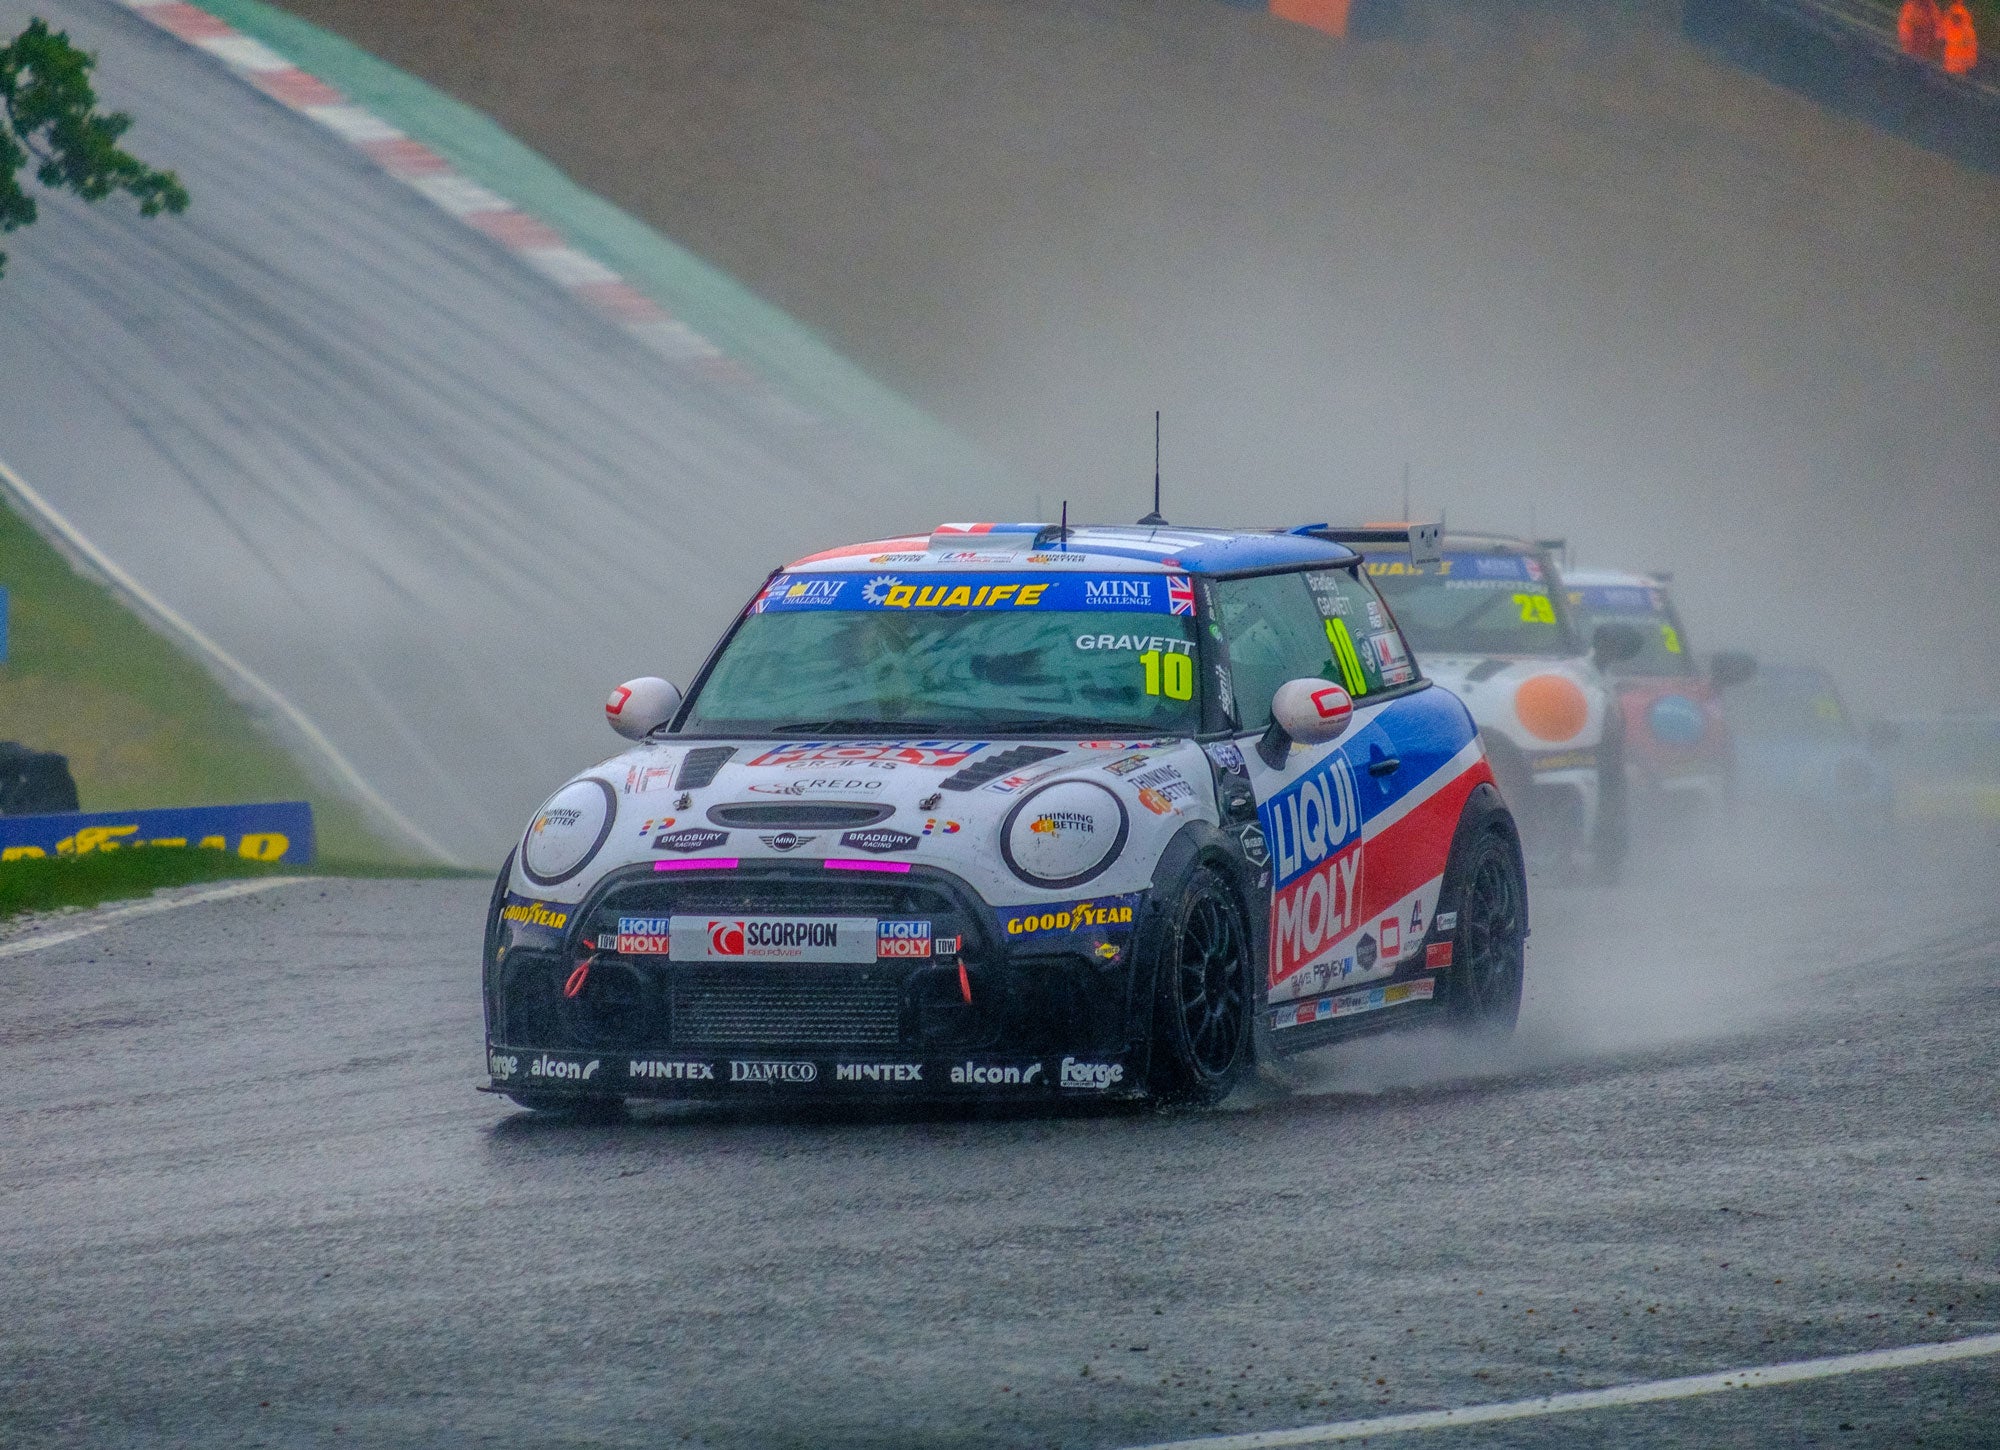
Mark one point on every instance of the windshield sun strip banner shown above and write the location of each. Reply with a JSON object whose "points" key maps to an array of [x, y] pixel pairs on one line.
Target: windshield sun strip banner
{"points": [[1168, 594]]}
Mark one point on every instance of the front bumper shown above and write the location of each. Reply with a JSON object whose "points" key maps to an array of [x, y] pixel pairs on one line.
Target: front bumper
{"points": [[1044, 1013]]}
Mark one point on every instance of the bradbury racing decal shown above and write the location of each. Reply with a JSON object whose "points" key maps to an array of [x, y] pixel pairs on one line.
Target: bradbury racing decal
{"points": [[703, 938], [945, 754], [1105, 911], [522, 912], [1107, 593], [1313, 831]]}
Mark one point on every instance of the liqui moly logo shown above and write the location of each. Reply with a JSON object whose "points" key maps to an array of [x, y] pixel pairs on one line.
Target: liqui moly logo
{"points": [[1314, 817], [1313, 832]]}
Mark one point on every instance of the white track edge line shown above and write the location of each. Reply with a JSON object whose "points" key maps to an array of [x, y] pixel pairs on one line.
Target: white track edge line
{"points": [[250, 679], [104, 919], [1642, 1393]]}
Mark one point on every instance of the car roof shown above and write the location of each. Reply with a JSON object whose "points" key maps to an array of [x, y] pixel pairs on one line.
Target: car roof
{"points": [[1100, 548], [1610, 579]]}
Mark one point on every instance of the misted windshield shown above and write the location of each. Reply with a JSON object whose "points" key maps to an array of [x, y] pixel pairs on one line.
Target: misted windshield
{"points": [[1467, 603], [1646, 609], [832, 652]]}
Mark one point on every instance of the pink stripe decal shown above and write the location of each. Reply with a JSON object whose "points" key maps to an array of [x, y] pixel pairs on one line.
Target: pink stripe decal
{"points": [[714, 863]]}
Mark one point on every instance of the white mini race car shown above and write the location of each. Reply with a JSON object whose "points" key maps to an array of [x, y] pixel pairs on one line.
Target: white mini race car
{"points": [[1492, 622], [1013, 811]]}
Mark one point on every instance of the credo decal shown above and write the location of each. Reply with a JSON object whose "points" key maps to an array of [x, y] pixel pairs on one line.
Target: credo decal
{"points": [[703, 938]]}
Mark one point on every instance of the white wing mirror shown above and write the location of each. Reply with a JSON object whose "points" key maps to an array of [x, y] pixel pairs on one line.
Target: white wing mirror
{"points": [[639, 707], [1312, 712]]}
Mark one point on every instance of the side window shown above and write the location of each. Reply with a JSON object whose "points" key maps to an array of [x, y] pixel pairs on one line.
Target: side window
{"points": [[1275, 633], [1366, 644]]}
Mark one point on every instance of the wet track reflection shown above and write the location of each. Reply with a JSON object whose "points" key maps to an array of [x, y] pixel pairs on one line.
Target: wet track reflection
{"points": [[254, 1196]]}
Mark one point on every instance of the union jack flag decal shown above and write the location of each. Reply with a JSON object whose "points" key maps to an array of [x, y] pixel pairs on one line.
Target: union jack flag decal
{"points": [[764, 594], [1180, 594]]}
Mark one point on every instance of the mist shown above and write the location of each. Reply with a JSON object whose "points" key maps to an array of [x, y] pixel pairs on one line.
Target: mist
{"points": [[1576, 273]]}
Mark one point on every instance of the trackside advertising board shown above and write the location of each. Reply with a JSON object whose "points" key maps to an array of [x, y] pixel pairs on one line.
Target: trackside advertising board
{"points": [[273, 831]]}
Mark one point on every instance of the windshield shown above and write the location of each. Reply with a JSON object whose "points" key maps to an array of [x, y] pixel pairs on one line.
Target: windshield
{"points": [[1647, 609], [985, 651], [1478, 604]]}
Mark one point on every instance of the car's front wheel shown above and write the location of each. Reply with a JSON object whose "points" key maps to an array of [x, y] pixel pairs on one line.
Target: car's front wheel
{"points": [[1202, 1042]]}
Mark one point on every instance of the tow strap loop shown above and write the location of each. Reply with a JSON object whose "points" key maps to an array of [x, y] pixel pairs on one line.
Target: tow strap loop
{"points": [[964, 982], [578, 977]]}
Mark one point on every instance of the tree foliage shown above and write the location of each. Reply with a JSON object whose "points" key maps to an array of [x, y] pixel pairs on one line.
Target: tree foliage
{"points": [[48, 117]]}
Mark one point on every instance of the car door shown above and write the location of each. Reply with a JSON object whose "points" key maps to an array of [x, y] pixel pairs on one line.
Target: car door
{"points": [[1358, 831], [1415, 757], [1309, 807]]}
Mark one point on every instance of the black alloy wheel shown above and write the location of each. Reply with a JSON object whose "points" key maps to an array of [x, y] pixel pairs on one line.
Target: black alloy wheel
{"points": [[1202, 1030], [1489, 953]]}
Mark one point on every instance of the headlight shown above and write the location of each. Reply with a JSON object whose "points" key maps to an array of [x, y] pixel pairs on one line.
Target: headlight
{"points": [[567, 831], [1063, 834]]}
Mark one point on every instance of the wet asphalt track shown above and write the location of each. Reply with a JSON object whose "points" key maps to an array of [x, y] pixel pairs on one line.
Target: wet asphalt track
{"points": [[436, 502], [251, 1198]]}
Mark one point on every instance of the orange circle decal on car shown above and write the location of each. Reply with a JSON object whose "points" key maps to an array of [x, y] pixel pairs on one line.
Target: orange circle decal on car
{"points": [[1551, 706]]}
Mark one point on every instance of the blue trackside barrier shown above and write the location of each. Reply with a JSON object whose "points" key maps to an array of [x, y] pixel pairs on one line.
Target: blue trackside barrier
{"points": [[272, 831], [1844, 55]]}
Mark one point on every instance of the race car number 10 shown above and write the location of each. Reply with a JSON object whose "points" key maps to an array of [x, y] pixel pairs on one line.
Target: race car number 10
{"points": [[1171, 675]]}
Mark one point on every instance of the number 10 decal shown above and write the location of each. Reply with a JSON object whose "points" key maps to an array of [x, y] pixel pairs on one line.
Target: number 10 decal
{"points": [[1171, 675]]}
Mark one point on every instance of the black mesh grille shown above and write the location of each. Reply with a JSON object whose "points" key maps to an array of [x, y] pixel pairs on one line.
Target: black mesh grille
{"points": [[993, 767], [734, 1006], [829, 816], [701, 766]]}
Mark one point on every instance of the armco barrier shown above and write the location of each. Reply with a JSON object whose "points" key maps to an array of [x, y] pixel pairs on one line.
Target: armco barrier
{"points": [[272, 831]]}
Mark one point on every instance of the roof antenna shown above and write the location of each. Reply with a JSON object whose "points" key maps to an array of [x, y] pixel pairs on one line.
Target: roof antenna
{"points": [[1155, 519], [1406, 515], [1062, 538]]}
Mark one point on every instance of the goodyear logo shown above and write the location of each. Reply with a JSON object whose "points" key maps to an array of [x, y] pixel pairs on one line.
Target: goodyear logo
{"points": [[1070, 918], [534, 913]]}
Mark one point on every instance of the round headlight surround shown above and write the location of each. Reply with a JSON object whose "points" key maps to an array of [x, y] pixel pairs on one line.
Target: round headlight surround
{"points": [[596, 845], [1064, 883]]}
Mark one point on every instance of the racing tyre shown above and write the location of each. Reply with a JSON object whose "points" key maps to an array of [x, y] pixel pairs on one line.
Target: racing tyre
{"points": [[1489, 945], [1202, 1043]]}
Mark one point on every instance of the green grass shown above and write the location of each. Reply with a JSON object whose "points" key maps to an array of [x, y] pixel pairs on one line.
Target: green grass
{"points": [[58, 881], [142, 724], [53, 882]]}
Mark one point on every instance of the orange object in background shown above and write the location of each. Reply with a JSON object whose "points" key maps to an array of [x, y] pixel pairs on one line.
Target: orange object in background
{"points": [[1327, 15], [1959, 39], [1917, 29], [1552, 707]]}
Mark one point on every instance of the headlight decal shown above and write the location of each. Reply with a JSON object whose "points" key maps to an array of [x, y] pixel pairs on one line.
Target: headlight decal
{"points": [[1064, 834], [568, 831]]}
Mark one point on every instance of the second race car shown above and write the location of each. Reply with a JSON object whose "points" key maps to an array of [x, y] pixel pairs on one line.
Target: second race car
{"points": [[1491, 621]]}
